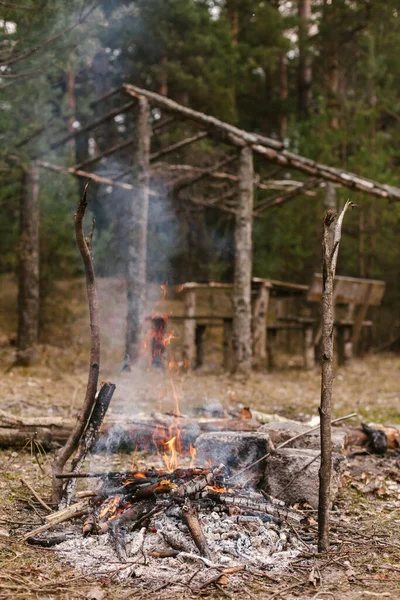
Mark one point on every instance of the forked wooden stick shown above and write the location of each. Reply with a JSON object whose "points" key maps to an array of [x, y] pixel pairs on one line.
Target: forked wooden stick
{"points": [[62, 455]]}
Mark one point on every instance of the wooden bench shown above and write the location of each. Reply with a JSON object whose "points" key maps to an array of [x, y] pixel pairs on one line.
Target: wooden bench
{"points": [[195, 325]]}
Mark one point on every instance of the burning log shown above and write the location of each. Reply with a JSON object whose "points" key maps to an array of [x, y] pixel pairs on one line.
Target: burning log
{"points": [[276, 510], [191, 488]]}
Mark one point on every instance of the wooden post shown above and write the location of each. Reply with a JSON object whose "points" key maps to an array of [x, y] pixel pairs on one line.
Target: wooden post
{"points": [[136, 230], [189, 327], [28, 291], [329, 261], [309, 348], [241, 295], [259, 323], [200, 338]]}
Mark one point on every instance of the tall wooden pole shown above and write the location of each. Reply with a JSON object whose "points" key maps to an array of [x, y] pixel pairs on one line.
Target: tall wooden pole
{"points": [[329, 261], [241, 296], [28, 290], [136, 230]]}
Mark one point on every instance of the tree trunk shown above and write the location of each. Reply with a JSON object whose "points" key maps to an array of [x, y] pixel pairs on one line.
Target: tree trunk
{"points": [[241, 294], [163, 77], [28, 292], [283, 94], [136, 230], [305, 69]]}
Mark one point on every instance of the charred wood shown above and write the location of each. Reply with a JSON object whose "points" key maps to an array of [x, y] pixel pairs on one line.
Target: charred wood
{"points": [[191, 518]]}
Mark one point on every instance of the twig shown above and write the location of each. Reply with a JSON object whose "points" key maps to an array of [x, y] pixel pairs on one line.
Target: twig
{"points": [[207, 562], [299, 435], [38, 498]]}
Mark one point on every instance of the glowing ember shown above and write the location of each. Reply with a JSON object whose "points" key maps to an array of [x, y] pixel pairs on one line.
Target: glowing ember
{"points": [[110, 511]]}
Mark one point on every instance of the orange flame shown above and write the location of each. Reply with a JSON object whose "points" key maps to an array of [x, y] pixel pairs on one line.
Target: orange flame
{"points": [[192, 452], [170, 456], [110, 510]]}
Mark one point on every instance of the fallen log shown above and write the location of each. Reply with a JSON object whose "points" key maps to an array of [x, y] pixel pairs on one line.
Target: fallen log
{"points": [[115, 435]]}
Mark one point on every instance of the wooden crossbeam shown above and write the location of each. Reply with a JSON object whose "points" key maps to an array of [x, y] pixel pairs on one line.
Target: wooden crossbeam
{"points": [[178, 146], [106, 96], [84, 174], [272, 150], [206, 172], [289, 195], [125, 144], [110, 115]]}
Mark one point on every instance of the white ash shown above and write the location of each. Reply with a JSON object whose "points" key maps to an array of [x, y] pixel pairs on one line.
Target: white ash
{"points": [[233, 541]]}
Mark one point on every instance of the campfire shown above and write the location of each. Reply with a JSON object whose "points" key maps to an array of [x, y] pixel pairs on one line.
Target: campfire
{"points": [[145, 522]]}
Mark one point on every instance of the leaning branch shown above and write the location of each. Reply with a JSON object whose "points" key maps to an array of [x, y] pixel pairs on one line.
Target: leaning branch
{"points": [[70, 446]]}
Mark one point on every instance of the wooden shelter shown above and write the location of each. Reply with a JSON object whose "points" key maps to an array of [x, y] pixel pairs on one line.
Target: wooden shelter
{"points": [[140, 104]]}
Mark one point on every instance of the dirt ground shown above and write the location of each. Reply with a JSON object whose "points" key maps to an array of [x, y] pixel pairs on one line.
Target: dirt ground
{"points": [[364, 561]]}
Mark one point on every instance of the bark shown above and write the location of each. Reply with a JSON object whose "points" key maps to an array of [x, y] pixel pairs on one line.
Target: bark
{"points": [[28, 291], [136, 230], [330, 203], [329, 260], [271, 149], [64, 453], [241, 293], [305, 69]]}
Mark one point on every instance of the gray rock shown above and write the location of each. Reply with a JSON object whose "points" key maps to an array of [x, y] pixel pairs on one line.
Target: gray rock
{"points": [[281, 432], [285, 479], [236, 450]]}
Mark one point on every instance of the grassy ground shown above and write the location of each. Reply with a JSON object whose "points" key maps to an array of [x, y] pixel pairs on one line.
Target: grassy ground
{"points": [[365, 558]]}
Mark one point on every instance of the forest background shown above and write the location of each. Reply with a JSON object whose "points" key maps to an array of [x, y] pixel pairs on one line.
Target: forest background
{"points": [[322, 75]]}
